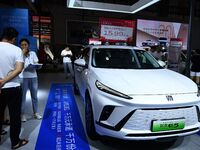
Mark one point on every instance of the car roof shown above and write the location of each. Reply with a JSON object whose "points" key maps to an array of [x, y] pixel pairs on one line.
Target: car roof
{"points": [[117, 47]]}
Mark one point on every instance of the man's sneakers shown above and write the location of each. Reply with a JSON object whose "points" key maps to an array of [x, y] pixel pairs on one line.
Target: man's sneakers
{"points": [[23, 118], [37, 116]]}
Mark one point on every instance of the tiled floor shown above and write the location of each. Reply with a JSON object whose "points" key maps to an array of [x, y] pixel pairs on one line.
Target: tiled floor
{"points": [[31, 128]]}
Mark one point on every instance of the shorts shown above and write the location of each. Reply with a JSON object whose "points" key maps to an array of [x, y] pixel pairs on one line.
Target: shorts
{"points": [[194, 74]]}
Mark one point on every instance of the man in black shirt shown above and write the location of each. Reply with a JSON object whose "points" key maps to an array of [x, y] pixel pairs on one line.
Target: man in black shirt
{"points": [[195, 68]]}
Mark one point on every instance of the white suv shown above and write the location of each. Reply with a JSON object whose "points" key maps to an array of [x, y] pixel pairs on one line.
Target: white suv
{"points": [[128, 95]]}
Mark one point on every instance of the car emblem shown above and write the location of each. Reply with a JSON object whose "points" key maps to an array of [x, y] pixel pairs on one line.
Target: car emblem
{"points": [[169, 98]]}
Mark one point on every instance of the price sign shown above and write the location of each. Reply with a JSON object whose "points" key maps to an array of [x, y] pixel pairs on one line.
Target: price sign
{"points": [[116, 30], [116, 33]]}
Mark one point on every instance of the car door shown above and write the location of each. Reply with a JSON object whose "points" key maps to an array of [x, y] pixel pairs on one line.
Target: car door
{"points": [[84, 73], [78, 70]]}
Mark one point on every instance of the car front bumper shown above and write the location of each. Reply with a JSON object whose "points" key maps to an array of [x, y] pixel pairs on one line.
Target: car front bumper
{"points": [[133, 121]]}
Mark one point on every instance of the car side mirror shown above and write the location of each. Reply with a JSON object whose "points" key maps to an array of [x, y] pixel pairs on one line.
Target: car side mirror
{"points": [[80, 62], [162, 63]]}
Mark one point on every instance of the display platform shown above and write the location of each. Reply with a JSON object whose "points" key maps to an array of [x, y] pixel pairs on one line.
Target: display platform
{"points": [[61, 127]]}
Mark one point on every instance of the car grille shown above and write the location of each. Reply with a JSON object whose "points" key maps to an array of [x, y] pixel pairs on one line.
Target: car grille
{"points": [[142, 119]]}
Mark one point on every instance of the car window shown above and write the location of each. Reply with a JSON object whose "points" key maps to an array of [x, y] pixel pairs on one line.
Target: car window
{"points": [[123, 59], [86, 55], [146, 61], [113, 58], [163, 38]]}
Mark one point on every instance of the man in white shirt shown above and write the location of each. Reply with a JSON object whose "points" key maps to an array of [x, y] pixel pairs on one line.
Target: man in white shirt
{"points": [[11, 65], [67, 54]]}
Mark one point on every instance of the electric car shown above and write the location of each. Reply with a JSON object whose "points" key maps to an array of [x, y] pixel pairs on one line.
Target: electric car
{"points": [[128, 95]]}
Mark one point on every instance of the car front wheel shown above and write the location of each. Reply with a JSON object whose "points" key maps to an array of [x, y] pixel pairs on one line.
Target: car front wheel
{"points": [[89, 120], [76, 91], [166, 143]]}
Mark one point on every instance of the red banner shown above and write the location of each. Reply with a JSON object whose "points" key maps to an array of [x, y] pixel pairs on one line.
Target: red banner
{"points": [[176, 42]]}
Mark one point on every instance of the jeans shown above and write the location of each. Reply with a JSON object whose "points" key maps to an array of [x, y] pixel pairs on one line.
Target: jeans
{"points": [[68, 68], [32, 85], [12, 97]]}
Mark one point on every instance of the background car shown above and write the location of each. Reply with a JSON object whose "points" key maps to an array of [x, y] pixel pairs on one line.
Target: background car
{"points": [[129, 95], [149, 43], [163, 41]]}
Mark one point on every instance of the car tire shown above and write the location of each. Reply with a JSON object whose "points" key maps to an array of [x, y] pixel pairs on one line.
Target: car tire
{"points": [[169, 142], [75, 87], [89, 120]]}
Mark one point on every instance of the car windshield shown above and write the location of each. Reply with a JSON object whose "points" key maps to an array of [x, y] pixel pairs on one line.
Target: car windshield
{"points": [[163, 38], [123, 59]]}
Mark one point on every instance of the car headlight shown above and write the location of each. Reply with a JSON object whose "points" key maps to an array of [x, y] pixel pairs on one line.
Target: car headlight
{"points": [[163, 48], [106, 89]]}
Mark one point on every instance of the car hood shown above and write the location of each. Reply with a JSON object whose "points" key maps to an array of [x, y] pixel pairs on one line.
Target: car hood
{"points": [[151, 81]]}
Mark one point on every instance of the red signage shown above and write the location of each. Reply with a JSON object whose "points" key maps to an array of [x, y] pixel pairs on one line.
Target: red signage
{"points": [[116, 30], [176, 42], [42, 25]]}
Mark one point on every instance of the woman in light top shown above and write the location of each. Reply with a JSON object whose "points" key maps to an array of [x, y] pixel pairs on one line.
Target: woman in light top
{"points": [[29, 79]]}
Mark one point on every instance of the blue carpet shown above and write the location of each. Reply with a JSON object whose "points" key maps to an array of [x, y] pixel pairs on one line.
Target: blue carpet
{"points": [[61, 127], [198, 133]]}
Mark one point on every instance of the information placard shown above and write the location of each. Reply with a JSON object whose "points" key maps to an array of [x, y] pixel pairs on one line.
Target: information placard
{"points": [[116, 30]]}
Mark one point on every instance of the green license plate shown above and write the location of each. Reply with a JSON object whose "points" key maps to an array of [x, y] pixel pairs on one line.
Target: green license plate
{"points": [[167, 125]]}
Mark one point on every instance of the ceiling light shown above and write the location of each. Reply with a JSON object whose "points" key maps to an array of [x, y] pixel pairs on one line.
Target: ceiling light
{"points": [[142, 4], [91, 5]]}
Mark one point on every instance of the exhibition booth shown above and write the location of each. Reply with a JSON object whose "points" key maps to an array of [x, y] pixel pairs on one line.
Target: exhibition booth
{"points": [[61, 126]]}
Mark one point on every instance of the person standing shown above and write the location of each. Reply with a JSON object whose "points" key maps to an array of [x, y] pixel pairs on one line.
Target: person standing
{"points": [[11, 65], [158, 53], [195, 67], [67, 54], [29, 79]]}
